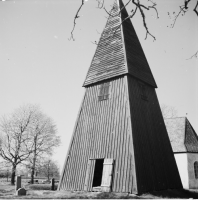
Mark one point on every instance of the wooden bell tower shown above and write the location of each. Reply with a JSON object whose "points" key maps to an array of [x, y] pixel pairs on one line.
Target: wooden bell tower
{"points": [[120, 142]]}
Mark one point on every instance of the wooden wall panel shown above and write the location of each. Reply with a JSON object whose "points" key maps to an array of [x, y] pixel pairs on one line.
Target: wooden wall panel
{"points": [[155, 164], [102, 132], [129, 130], [125, 127], [90, 180]]}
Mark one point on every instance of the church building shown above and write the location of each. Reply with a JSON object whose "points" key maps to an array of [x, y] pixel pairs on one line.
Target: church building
{"points": [[184, 142], [120, 142]]}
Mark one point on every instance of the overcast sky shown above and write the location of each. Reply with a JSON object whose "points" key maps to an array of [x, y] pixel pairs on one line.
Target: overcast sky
{"points": [[39, 65]]}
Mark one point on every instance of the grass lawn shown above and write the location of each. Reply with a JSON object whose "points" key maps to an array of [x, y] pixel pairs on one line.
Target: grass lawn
{"points": [[42, 191]]}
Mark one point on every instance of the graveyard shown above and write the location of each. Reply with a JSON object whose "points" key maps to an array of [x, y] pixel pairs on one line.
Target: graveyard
{"points": [[42, 191], [120, 148]]}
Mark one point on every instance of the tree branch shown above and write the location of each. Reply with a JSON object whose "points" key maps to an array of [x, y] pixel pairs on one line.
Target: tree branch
{"points": [[143, 17], [119, 11], [182, 10], [130, 16], [195, 9], [194, 55], [137, 4], [75, 18], [154, 7], [3, 155], [100, 3]]}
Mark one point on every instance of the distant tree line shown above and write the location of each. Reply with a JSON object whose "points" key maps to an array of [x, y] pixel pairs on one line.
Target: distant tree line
{"points": [[46, 169]]}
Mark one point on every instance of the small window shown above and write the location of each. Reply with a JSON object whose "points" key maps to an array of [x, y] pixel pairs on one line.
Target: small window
{"points": [[143, 91], [104, 91], [196, 169]]}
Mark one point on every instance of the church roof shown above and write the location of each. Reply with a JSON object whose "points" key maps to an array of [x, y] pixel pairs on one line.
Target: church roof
{"points": [[182, 136], [119, 51]]}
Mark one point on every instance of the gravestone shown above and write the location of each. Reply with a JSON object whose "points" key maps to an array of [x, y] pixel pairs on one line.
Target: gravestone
{"points": [[18, 183], [52, 184], [21, 191]]}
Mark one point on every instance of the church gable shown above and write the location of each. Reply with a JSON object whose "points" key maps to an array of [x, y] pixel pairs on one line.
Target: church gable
{"points": [[182, 136], [191, 138], [176, 132]]}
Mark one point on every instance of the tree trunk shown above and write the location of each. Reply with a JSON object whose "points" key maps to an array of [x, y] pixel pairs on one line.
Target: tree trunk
{"points": [[32, 176], [33, 168], [34, 160], [48, 176], [48, 172], [13, 174]]}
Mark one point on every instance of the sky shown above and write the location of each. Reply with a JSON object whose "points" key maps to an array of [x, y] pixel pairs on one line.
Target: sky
{"points": [[40, 65]]}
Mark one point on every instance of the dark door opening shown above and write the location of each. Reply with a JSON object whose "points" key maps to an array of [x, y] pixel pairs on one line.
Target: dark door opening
{"points": [[98, 172]]}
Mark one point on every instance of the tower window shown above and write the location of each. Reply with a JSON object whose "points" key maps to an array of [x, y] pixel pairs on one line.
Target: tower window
{"points": [[104, 91], [196, 169]]}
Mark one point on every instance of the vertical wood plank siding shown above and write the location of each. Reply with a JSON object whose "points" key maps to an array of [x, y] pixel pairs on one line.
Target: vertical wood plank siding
{"points": [[102, 132], [155, 164], [142, 152], [90, 180], [126, 127]]}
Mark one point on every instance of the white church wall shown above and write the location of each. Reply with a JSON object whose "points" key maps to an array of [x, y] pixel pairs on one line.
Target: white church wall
{"points": [[193, 182], [182, 164]]}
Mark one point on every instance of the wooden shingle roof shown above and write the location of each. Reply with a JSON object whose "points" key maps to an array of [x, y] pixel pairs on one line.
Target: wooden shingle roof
{"points": [[119, 51], [182, 136]]}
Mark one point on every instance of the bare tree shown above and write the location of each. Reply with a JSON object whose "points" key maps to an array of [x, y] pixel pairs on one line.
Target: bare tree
{"points": [[26, 135], [168, 111], [16, 144], [49, 169], [44, 139]]}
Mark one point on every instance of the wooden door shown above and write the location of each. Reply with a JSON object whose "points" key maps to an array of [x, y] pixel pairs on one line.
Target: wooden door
{"points": [[107, 175], [89, 175]]}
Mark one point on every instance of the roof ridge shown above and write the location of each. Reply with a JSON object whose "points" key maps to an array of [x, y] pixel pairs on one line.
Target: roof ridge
{"points": [[174, 117]]}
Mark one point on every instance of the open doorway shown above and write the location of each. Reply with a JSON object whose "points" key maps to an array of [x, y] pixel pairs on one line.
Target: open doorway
{"points": [[99, 175], [97, 179]]}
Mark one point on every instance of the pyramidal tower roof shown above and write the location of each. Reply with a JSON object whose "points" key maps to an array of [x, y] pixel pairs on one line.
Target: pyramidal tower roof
{"points": [[119, 51]]}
